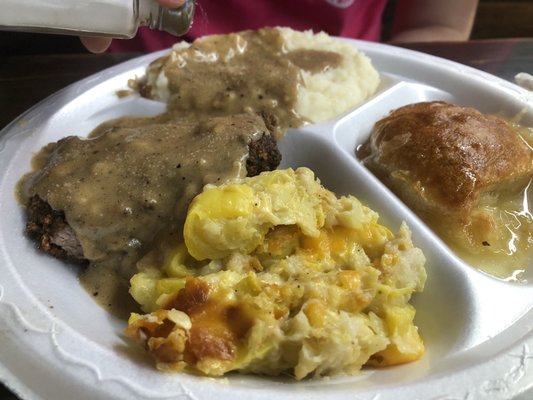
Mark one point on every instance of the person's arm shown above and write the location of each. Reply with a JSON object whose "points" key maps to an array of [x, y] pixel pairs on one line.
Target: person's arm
{"points": [[433, 20], [99, 44]]}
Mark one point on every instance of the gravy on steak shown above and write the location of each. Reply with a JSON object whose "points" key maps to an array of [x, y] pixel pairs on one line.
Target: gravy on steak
{"points": [[133, 178]]}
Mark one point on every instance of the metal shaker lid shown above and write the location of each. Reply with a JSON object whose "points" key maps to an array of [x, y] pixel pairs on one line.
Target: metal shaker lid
{"points": [[175, 21]]}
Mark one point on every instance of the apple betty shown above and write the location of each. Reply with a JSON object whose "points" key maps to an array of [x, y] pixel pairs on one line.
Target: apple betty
{"points": [[472, 170]]}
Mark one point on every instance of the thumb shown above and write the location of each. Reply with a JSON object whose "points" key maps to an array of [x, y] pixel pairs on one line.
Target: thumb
{"points": [[95, 44]]}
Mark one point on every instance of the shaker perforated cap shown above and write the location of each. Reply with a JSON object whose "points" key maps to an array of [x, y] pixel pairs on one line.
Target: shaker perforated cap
{"points": [[175, 21]]}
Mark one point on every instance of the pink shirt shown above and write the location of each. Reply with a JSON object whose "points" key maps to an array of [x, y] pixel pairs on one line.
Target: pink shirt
{"points": [[359, 19]]}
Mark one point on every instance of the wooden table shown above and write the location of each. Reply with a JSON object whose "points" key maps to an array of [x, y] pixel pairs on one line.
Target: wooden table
{"points": [[26, 80]]}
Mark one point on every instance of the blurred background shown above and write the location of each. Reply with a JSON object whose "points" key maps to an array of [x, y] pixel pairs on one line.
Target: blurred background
{"points": [[494, 19]]}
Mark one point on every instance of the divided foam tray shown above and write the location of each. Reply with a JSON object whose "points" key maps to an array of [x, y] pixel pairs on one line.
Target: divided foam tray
{"points": [[56, 342]]}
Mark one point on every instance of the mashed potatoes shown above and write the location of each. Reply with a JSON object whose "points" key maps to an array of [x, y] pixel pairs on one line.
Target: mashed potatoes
{"points": [[333, 91], [296, 76], [277, 275]]}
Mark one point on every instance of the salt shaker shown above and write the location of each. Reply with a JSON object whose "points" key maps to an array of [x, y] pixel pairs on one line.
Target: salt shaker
{"points": [[111, 18]]}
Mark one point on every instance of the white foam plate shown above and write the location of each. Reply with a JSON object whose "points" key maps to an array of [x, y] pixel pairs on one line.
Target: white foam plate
{"points": [[57, 343]]}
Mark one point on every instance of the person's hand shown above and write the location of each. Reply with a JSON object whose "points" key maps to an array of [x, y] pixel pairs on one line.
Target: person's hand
{"points": [[99, 44]]}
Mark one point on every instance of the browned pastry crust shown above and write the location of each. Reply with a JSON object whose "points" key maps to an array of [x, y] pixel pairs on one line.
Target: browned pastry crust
{"points": [[441, 158]]}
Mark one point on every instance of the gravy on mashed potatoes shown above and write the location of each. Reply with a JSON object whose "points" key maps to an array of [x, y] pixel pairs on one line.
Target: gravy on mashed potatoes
{"points": [[297, 77], [275, 274]]}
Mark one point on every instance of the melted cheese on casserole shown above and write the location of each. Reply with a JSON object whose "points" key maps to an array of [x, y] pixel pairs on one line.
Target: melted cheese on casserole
{"points": [[277, 275]]}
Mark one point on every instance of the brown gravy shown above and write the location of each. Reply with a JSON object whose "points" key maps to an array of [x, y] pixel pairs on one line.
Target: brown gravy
{"points": [[314, 61], [249, 72], [133, 178]]}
